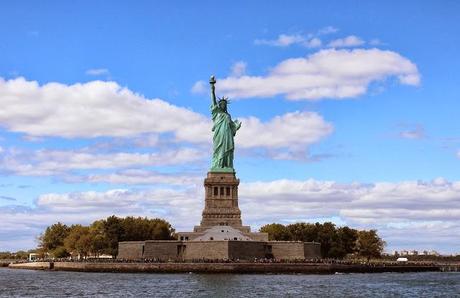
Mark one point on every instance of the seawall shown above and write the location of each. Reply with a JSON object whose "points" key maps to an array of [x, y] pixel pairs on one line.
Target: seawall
{"points": [[32, 265], [261, 268]]}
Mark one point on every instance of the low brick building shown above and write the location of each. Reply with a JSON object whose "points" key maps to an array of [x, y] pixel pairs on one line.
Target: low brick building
{"points": [[220, 234]]}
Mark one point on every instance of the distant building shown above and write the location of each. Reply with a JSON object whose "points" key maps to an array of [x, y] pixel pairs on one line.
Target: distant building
{"points": [[416, 253]]}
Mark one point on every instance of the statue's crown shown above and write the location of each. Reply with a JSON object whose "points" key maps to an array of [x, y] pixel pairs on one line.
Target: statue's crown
{"points": [[223, 98]]}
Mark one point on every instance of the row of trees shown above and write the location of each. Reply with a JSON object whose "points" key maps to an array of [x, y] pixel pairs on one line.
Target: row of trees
{"points": [[19, 255], [336, 242], [102, 236]]}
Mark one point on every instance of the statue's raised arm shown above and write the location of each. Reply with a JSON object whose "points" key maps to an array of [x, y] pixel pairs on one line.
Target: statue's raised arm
{"points": [[212, 81]]}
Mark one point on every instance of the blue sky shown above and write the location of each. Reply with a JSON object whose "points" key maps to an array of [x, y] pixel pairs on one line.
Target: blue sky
{"points": [[349, 112]]}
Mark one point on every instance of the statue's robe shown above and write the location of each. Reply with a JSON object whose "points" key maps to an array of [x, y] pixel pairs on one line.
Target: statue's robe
{"points": [[223, 144]]}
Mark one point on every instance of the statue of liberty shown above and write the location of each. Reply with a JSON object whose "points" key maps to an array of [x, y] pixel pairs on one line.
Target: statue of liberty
{"points": [[224, 130]]}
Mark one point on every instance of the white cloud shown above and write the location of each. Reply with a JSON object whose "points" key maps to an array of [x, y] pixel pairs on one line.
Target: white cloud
{"points": [[291, 130], [310, 40], [200, 87], [326, 74], [458, 153], [416, 133], [97, 71], [349, 41], [238, 69], [139, 176], [91, 109], [283, 40], [286, 136], [313, 43], [294, 131], [54, 162], [428, 211], [378, 203], [297, 129], [327, 30]]}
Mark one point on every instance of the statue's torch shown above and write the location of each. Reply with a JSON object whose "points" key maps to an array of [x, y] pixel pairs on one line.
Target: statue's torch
{"points": [[212, 80]]}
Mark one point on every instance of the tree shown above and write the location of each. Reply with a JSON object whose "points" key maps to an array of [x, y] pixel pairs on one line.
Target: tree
{"points": [[60, 252], [276, 232], [99, 239], [102, 236], [302, 232], [53, 238], [344, 243], [327, 236], [78, 241], [369, 244], [112, 229], [139, 229]]}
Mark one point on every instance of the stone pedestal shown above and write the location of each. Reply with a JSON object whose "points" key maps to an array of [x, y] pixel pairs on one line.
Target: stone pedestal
{"points": [[221, 202]]}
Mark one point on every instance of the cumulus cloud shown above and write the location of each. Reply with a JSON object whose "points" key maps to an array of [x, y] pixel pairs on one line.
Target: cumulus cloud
{"points": [[297, 129], [379, 202], [291, 130], [428, 211], [105, 109], [349, 41], [140, 176], [287, 136], [313, 43], [55, 162], [90, 109], [330, 73]]}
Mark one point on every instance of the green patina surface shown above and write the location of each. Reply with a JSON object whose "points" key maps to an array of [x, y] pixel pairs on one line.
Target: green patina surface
{"points": [[224, 130]]}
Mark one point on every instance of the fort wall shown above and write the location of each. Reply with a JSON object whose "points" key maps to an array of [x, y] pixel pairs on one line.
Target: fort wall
{"points": [[131, 250]]}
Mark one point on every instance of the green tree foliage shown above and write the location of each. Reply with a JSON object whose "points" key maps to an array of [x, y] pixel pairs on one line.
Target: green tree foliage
{"points": [[99, 238], [336, 242], [276, 232], [52, 240], [102, 236], [302, 232], [369, 244], [111, 234], [19, 255], [60, 252], [78, 241]]}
